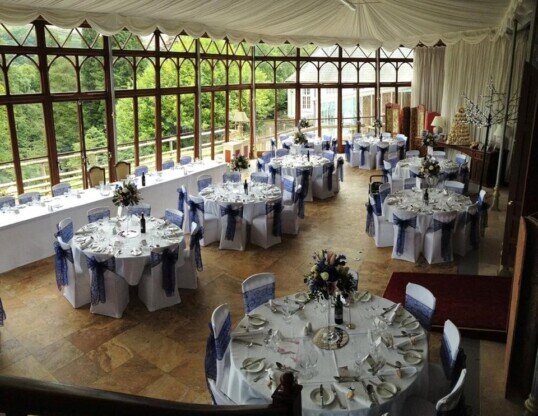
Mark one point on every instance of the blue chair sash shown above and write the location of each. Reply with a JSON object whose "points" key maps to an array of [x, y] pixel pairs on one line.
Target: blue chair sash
{"points": [[185, 160], [195, 248], [370, 228], [451, 176], [274, 171], [401, 152], [289, 186], [363, 149], [232, 214], [61, 257], [347, 151], [204, 183], [193, 211], [168, 259], [258, 296], [181, 200], [276, 208], [329, 170], [475, 232], [420, 311], [259, 165], [386, 174], [446, 237], [65, 233], [305, 176], [383, 194], [286, 146], [223, 339], [483, 209], [97, 285], [382, 151], [174, 218], [340, 167], [3, 315], [446, 358], [96, 216], [377, 206], [210, 364], [402, 225]]}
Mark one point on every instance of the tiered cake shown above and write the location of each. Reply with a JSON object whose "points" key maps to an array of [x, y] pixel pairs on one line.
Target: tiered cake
{"points": [[459, 132]]}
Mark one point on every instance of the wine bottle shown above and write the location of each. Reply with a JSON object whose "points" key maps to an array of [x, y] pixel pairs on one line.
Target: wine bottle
{"points": [[308, 155], [143, 179], [426, 196], [245, 187], [142, 224], [338, 311]]}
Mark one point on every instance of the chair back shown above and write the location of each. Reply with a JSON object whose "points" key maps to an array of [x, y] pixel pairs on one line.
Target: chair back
{"points": [[7, 200], [260, 177], [439, 154], [204, 181], [231, 177], [139, 209], [182, 198], [139, 170], [197, 233], [27, 197], [65, 230], [169, 164], [185, 160], [328, 154], [221, 325], [387, 167], [384, 191], [196, 209], [288, 188], [174, 216], [460, 159], [409, 183], [445, 222], [267, 156], [230, 215], [453, 402], [420, 302], [163, 267], [282, 152], [123, 169], [412, 153], [60, 188], [96, 176], [257, 290], [96, 214], [386, 134], [454, 186], [450, 348], [375, 203]]}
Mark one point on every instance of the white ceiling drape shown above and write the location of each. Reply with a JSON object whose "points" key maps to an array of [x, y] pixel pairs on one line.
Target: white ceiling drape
{"points": [[372, 23]]}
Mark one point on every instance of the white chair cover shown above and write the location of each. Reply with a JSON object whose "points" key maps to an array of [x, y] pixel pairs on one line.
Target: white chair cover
{"points": [[467, 233], [290, 215], [322, 183], [203, 181], [362, 156], [420, 302], [257, 290], [288, 190], [187, 272], [151, 289], [409, 183], [236, 240], [98, 213], [439, 237], [266, 230], [439, 154], [208, 222], [454, 186], [383, 236], [381, 154], [77, 290], [412, 153], [407, 239]]}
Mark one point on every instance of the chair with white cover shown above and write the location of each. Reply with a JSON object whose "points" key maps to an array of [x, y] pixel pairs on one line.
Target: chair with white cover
{"points": [[348, 147], [363, 156], [260, 177], [409, 183], [74, 284], [109, 293], [203, 181], [27, 197], [208, 222], [386, 134], [187, 272], [7, 201], [454, 186], [420, 303], [257, 290], [328, 154], [323, 185], [217, 355], [381, 154], [139, 170], [383, 234], [407, 239], [139, 209], [290, 215], [460, 159], [182, 198], [282, 152], [185, 160], [412, 153], [263, 162], [288, 190], [483, 207], [98, 213], [304, 178], [275, 175], [453, 404], [439, 154], [174, 216], [401, 149], [439, 237], [387, 171], [414, 171], [233, 235], [467, 233], [61, 188], [384, 191], [169, 164], [442, 377], [158, 287], [266, 230], [339, 174], [231, 177]]}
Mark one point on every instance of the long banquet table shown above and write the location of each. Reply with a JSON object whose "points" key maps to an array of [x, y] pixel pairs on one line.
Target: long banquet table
{"points": [[27, 236]]}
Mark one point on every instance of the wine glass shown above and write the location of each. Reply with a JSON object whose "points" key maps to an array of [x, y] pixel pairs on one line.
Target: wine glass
{"points": [[287, 311]]}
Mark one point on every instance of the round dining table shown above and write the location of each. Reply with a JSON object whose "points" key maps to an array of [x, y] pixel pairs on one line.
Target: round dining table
{"points": [[402, 167], [234, 193], [281, 334], [289, 163], [122, 239]]}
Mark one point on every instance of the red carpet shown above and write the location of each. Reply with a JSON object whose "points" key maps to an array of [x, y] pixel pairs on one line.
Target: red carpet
{"points": [[478, 305]]}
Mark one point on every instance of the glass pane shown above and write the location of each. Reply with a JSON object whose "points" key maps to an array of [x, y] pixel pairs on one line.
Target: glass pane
{"points": [[388, 95], [219, 73], [265, 118], [367, 108], [145, 74], [309, 107], [187, 124], [94, 117], [285, 72], [66, 130], [206, 73], [62, 74], [246, 73], [309, 73], [264, 73], [285, 105], [349, 111], [169, 126], [92, 75], [328, 73], [187, 75], [146, 127], [23, 35], [233, 73], [169, 74], [123, 74], [8, 184], [404, 96], [405, 73], [387, 73], [125, 130], [23, 75], [206, 123], [350, 73], [329, 112], [244, 96], [367, 73], [220, 121]]}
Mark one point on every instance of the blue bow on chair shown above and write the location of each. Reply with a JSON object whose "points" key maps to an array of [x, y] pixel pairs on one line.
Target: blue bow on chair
{"points": [[347, 150], [382, 151], [194, 246], [274, 171], [193, 211], [60, 260], [474, 235], [340, 167], [97, 285], [181, 200], [276, 208], [259, 166], [232, 219], [370, 228], [168, 258], [2, 314], [402, 225], [363, 149], [446, 237], [483, 209], [401, 152], [329, 170]]}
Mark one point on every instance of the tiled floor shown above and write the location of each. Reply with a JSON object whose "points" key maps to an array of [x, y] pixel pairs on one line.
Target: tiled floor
{"points": [[161, 354]]}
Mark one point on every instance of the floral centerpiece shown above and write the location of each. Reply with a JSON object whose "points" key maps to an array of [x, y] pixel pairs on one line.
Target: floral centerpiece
{"points": [[430, 170], [429, 139], [300, 138], [378, 125], [239, 163], [303, 124], [126, 195]]}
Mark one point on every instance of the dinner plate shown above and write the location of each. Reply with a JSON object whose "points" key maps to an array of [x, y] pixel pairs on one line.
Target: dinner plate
{"points": [[413, 357], [412, 325], [386, 390], [136, 252], [328, 396], [301, 297], [255, 368], [364, 297], [256, 320]]}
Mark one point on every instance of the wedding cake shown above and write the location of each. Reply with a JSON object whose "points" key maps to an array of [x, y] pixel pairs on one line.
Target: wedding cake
{"points": [[459, 132]]}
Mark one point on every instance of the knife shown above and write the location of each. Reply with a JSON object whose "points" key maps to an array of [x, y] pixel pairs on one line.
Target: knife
{"points": [[346, 379], [244, 341], [321, 393], [367, 393], [389, 309], [252, 363]]}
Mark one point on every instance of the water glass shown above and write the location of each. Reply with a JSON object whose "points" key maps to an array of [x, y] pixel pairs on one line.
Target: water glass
{"points": [[287, 311]]}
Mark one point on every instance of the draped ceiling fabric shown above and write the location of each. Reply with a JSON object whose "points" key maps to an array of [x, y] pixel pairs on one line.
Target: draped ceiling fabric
{"points": [[370, 23], [428, 77]]}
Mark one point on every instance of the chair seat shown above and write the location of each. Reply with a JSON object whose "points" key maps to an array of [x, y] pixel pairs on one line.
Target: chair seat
{"points": [[438, 385], [416, 406]]}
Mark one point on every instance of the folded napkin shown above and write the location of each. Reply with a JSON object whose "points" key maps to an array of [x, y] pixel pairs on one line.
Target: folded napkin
{"points": [[359, 394], [398, 372], [410, 341], [393, 313]]}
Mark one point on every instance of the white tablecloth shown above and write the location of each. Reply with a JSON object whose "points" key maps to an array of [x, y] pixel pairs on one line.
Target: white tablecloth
{"points": [[30, 232], [233, 193], [243, 390], [412, 200], [402, 167], [291, 162], [313, 142], [100, 238]]}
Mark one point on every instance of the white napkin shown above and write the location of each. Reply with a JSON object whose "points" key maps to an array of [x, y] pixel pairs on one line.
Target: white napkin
{"points": [[392, 314], [274, 374], [344, 388], [404, 371], [410, 341]]}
